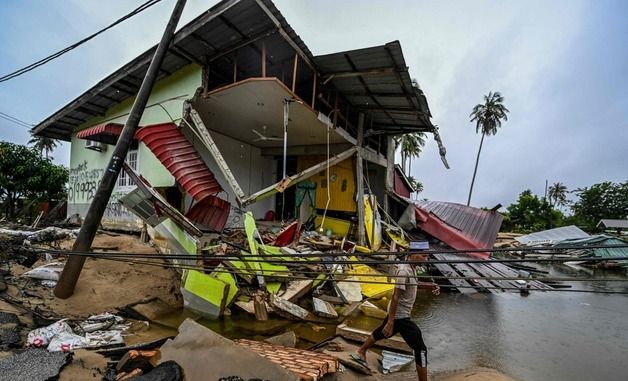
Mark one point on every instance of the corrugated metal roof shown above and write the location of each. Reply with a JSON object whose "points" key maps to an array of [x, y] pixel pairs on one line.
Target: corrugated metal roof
{"points": [[384, 88], [599, 240], [222, 28], [476, 224], [179, 156], [552, 236], [211, 212], [396, 106], [613, 224]]}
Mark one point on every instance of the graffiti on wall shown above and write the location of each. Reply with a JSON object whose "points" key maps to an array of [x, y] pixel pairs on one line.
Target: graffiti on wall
{"points": [[116, 210], [82, 185]]}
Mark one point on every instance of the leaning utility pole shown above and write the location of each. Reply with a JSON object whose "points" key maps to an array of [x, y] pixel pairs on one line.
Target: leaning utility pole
{"points": [[83, 243]]}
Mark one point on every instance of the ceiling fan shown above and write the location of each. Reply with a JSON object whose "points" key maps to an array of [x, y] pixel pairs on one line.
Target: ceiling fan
{"points": [[263, 137]]}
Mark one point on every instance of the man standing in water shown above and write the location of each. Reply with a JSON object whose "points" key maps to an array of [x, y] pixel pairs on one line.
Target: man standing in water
{"points": [[398, 319]]}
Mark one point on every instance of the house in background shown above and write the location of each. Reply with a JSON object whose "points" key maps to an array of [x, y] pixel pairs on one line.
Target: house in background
{"points": [[236, 87], [619, 226]]}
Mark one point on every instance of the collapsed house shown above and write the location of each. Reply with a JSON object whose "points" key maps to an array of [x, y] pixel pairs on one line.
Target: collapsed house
{"points": [[246, 124], [243, 110], [245, 119]]}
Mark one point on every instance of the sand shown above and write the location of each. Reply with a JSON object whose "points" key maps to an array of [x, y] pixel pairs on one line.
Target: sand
{"points": [[105, 285]]}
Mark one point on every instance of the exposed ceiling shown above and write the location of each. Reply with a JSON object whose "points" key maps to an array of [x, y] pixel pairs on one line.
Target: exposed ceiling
{"points": [[259, 102]]}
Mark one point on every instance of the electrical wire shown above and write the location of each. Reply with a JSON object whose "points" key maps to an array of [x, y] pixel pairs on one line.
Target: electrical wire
{"points": [[273, 273], [293, 277], [344, 259], [61, 52], [15, 120]]}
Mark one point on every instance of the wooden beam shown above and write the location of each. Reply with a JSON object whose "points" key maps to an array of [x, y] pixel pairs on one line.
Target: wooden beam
{"points": [[359, 174], [215, 152], [390, 172], [294, 179], [314, 80], [284, 34], [242, 43], [294, 71], [359, 73], [371, 155], [263, 59], [235, 70]]}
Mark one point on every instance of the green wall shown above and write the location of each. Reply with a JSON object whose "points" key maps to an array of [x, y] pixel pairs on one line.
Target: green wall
{"points": [[87, 166]]}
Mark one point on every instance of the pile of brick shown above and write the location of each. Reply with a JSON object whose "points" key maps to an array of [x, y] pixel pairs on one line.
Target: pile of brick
{"points": [[307, 365]]}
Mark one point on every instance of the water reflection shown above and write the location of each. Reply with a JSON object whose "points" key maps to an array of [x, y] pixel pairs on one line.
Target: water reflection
{"points": [[546, 336]]}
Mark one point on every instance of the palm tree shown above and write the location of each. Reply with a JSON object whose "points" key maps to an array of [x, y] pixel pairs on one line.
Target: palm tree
{"points": [[411, 145], [488, 118], [558, 193], [43, 144], [416, 185]]}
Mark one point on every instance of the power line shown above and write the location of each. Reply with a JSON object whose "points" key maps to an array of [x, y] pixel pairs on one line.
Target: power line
{"points": [[295, 277], [328, 258], [61, 52], [15, 120]]}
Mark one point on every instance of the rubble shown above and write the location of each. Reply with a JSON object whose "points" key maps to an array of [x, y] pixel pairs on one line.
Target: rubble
{"points": [[201, 352], [307, 365]]}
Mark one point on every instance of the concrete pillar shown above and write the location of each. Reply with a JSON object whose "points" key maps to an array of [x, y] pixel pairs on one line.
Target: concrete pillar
{"points": [[390, 171]]}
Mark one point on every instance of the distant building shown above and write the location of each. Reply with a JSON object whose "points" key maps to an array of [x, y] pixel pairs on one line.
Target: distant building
{"points": [[613, 224]]}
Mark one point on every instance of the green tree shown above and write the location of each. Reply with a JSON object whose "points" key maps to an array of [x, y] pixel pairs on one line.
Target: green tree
{"points": [[417, 185], [410, 146], [531, 213], [488, 118], [24, 174], [603, 200], [43, 144]]}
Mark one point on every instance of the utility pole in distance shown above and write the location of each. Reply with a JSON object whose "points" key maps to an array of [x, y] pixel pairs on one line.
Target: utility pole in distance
{"points": [[74, 265]]}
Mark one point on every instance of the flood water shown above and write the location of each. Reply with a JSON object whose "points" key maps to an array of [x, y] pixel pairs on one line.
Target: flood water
{"points": [[546, 336]]}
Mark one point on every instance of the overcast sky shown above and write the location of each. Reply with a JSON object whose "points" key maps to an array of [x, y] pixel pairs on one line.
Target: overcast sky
{"points": [[562, 67]]}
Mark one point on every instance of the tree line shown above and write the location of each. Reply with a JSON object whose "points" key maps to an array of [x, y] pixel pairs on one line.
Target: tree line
{"points": [[27, 177], [532, 213]]}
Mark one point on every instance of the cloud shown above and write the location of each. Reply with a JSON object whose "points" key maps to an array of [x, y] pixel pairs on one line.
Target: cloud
{"points": [[560, 64]]}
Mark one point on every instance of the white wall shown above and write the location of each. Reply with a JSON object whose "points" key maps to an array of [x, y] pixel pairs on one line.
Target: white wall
{"points": [[251, 170]]}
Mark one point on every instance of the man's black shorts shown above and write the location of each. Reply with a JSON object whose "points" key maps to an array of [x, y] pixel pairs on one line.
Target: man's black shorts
{"points": [[411, 335]]}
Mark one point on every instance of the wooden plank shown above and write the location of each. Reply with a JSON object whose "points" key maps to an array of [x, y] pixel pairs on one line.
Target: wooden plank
{"points": [[488, 271], [447, 270], [471, 273], [215, 152], [356, 334], [507, 271]]}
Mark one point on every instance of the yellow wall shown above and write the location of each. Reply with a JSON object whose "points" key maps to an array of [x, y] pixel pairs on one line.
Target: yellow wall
{"points": [[342, 183]]}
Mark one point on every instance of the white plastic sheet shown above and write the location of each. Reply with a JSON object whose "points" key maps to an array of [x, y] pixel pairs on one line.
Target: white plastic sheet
{"points": [[96, 331], [50, 271]]}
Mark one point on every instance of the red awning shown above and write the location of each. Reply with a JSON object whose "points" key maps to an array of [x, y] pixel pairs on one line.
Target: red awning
{"points": [[106, 133]]}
